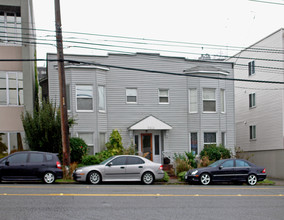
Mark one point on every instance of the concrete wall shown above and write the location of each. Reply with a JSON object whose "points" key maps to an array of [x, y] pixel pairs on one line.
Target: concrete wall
{"points": [[272, 160]]}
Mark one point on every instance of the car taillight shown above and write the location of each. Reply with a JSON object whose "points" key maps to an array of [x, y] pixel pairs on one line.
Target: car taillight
{"points": [[161, 167], [264, 171], [58, 165]]}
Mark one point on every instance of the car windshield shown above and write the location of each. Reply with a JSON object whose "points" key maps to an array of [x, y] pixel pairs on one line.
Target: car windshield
{"points": [[107, 160], [217, 163]]}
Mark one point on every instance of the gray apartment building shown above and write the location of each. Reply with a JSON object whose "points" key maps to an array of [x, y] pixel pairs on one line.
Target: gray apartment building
{"points": [[16, 78], [162, 105], [260, 106]]}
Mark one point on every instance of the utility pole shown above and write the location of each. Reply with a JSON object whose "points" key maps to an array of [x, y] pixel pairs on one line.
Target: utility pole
{"points": [[62, 88]]}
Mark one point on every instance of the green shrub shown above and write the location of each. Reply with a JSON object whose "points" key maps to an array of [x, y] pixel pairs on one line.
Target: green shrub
{"points": [[78, 148], [165, 179], [97, 158], [115, 142], [181, 175], [191, 159], [181, 165], [215, 152]]}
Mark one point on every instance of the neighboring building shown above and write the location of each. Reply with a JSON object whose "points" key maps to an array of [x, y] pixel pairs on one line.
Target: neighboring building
{"points": [[161, 114], [260, 106], [16, 78]]}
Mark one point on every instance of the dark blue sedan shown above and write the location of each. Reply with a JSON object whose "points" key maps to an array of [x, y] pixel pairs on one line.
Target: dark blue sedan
{"points": [[229, 170]]}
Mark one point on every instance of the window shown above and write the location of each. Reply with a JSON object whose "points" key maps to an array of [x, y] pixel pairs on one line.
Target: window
{"points": [[102, 141], [223, 139], [251, 68], [119, 161], [209, 138], [252, 132], [13, 141], [163, 96], [131, 95], [36, 158], [18, 158], [252, 100], [222, 101], [10, 24], [209, 100], [84, 96], [134, 160], [11, 88], [193, 143], [102, 98], [136, 142], [192, 101], [88, 138], [241, 163], [157, 144], [228, 163]]}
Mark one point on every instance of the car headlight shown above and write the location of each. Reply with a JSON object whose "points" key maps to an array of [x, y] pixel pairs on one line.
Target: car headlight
{"points": [[79, 171], [194, 172]]}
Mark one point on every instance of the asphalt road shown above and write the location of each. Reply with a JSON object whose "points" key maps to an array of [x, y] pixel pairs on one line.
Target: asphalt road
{"points": [[135, 201]]}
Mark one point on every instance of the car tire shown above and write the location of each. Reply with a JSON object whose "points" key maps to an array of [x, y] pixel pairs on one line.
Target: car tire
{"points": [[94, 177], [49, 178], [252, 179], [148, 178], [205, 179]]}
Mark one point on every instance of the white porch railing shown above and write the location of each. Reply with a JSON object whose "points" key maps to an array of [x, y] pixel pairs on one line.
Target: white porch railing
{"points": [[171, 155]]}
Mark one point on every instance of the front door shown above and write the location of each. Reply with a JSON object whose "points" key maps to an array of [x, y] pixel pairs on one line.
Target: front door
{"points": [[146, 146]]}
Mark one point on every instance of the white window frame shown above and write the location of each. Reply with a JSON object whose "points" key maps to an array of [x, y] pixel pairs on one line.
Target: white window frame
{"points": [[223, 100], [209, 143], [190, 103], [82, 110], [127, 94], [7, 88], [252, 132], [12, 31], [164, 96], [102, 108], [210, 100], [252, 100], [190, 148], [90, 145]]}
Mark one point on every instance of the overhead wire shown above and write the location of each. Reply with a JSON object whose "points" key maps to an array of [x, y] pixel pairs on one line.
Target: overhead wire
{"points": [[143, 70], [262, 49]]}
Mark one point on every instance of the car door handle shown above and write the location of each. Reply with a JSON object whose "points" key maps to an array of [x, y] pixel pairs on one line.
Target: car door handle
{"points": [[122, 167], [140, 167]]}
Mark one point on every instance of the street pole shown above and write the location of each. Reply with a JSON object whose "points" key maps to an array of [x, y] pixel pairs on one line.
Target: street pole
{"points": [[62, 88]]}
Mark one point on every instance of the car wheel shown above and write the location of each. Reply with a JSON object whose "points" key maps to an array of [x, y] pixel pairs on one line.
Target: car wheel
{"points": [[205, 179], [148, 178], [49, 178], [94, 177], [252, 179]]}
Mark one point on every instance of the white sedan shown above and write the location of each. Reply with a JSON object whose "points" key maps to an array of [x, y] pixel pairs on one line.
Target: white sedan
{"points": [[121, 168]]}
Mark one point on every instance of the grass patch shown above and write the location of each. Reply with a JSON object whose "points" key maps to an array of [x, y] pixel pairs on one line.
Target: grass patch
{"points": [[266, 182], [65, 181]]}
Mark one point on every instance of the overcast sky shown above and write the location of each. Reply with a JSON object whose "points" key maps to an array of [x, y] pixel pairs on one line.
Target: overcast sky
{"points": [[219, 22]]}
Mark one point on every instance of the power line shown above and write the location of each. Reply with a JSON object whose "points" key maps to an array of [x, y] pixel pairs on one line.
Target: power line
{"points": [[262, 49], [273, 3], [140, 48], [143, 70]]}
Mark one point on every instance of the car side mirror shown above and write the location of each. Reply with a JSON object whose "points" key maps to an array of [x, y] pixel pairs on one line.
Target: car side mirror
{"points": [[109, 164], [221, 167], [7, 163]]}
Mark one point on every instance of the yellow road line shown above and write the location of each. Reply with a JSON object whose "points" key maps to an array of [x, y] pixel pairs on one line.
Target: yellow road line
{"points": [[141, 195]]}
